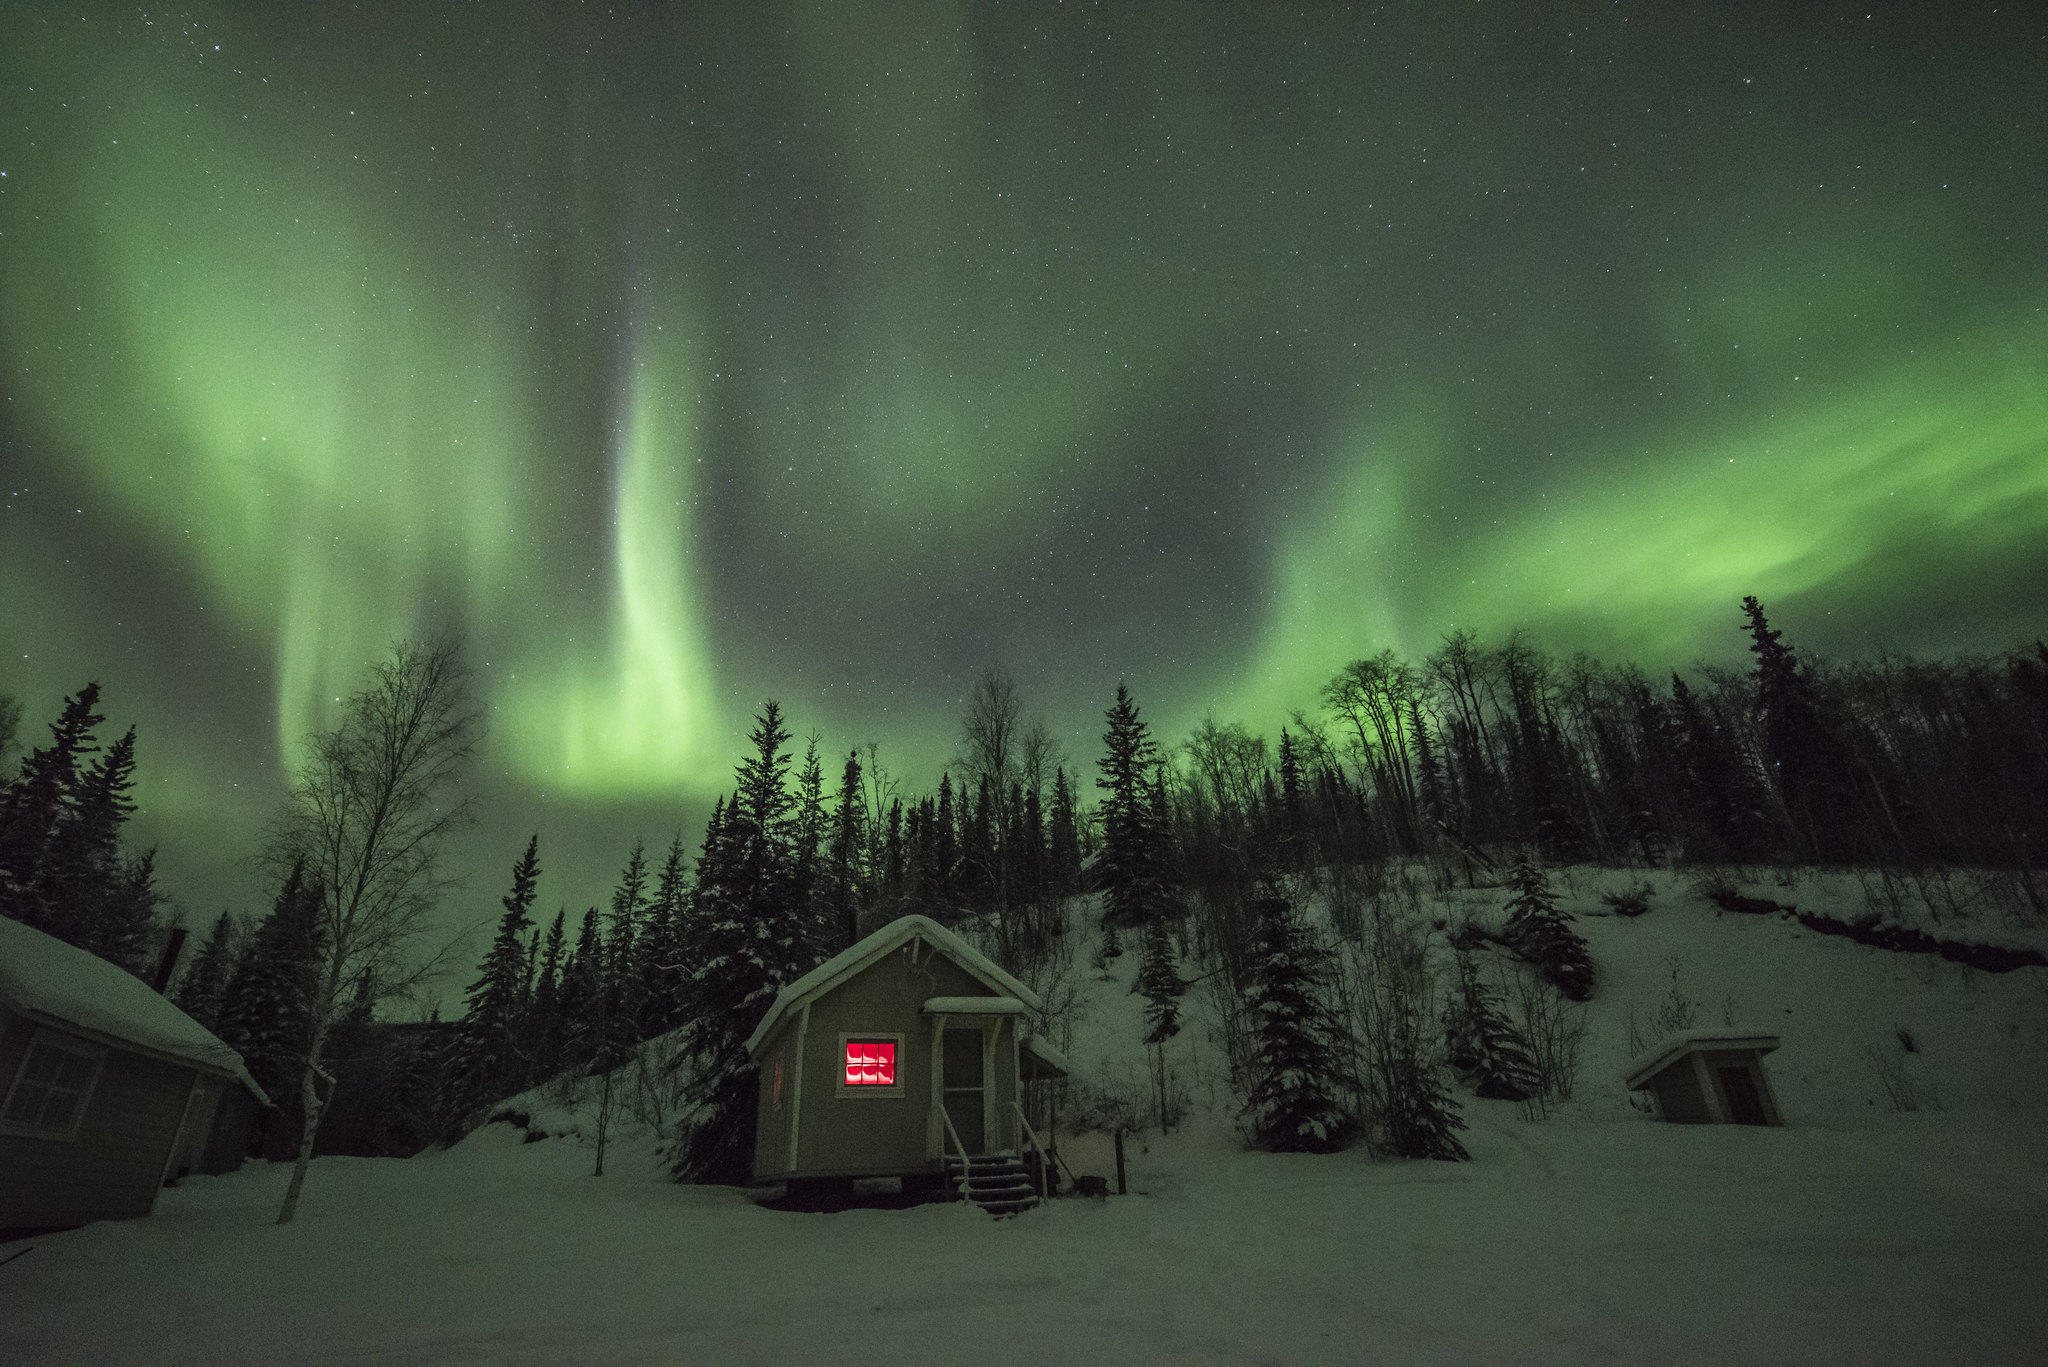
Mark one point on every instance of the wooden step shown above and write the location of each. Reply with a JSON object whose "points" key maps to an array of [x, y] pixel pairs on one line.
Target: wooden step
{"points": [[998, 1183]]}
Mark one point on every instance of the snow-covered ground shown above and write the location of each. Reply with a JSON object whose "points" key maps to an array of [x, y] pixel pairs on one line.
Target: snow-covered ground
{"points": [[1857, 1233]]}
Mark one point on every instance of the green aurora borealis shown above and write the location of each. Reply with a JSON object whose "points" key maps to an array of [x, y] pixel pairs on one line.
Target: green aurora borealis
{"points": [[688, 355]]}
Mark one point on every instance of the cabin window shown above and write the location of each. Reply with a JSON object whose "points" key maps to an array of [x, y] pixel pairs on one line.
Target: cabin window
{"points": [[871, 1062], [47, 1099]]}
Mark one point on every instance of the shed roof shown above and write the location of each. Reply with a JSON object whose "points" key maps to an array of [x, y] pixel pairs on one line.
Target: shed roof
{"points": [[861, 954], [57, 984], [1050, 1060], [1673, 1047]]}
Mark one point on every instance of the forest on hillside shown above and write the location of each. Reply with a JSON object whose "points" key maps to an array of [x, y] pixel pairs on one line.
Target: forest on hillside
{"points": [[1493, 760]]}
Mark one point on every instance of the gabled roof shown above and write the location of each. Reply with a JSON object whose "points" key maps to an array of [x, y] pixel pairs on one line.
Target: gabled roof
{"points": [[62, 985], [1673, 1047], [860, 955]]}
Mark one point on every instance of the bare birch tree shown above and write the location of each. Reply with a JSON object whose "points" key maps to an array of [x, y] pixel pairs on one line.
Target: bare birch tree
{"points": [[367, 814]]}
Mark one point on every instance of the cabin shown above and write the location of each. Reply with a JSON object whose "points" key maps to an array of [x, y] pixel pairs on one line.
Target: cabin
{"points": [[107, 1091], [909, 1054], [1709, 1077]]}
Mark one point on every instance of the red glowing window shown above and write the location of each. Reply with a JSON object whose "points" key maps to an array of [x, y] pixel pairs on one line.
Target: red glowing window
{"points": [[871, 1063]]}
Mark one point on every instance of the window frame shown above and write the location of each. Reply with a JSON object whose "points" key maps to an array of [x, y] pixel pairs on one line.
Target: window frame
{"points": [[59, 1042], [845, 1088]]}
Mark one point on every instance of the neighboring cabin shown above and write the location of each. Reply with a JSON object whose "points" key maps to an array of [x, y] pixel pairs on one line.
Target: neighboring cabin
{"points": [[109, 1090], [895, 1055]]}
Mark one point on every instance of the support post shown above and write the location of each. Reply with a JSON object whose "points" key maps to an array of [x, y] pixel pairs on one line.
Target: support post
{"points": [[796, 1086]]}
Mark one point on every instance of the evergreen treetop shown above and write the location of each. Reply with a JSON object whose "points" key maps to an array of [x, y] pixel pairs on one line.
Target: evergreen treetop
{"points": [[206, 979], [1134, 840]]}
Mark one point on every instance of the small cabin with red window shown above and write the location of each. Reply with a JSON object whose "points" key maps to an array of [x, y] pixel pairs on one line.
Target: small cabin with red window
{"points": [[904, 1051]]}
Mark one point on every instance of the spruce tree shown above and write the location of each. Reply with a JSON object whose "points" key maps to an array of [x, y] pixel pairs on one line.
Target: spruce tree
{"points": [[808, 830], [1063, 839], [580, 1002], [753, 939], [1435, 807], [266, 1007], [1726, 809], [204, 982], [945, 862], [543, 1029], [88, 884], [1540, 931], [33, 809], [1134, 871], [895, 859], [1296, 1066], [10, 728], [978, 849], [845, 874], [1112, 944], [1160, 984], [622, 967], [1483, 1044], [661, 948], [1030, 845], [1422, 1118], [1292, 820], [920, 856], [1806, 756], [491, 1060]]}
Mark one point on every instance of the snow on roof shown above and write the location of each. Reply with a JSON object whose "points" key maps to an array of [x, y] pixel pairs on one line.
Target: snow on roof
{"points": [[43, 978], [973, 1006], [887, 940], [1046, 1054], [1647, 1065]]}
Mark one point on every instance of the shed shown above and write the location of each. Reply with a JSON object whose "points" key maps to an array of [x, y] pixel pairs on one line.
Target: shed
{"points": [[109, 1090], [906, 1050], [1709, 1077]]}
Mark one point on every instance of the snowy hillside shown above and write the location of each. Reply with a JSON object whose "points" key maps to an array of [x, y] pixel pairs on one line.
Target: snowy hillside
{"points": [[1860, 1232]]}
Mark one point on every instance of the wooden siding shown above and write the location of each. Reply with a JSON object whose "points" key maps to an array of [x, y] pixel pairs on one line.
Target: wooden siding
{"points": [[1683, 1099], [114, 1166], [1678, 1094]]}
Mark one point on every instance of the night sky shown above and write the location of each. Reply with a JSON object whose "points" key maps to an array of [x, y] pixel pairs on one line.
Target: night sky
{"points": [[689, 355]]}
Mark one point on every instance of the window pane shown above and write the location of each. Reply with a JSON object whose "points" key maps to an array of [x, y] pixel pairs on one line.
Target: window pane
{"points": [[43, 1063], [870, 1063], [72, 1072], [28, 1103], [57, 1111], [53, 1083]]}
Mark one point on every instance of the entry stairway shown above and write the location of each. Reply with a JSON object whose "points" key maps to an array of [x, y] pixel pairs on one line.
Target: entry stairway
{"points": [[998, 1182]]}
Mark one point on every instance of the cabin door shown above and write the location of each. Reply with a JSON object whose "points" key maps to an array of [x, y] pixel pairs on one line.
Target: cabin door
{"points": [[965, 1081]]}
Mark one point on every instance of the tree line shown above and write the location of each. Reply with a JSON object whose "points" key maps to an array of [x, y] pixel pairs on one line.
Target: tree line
{"points": [[1474, 755]]}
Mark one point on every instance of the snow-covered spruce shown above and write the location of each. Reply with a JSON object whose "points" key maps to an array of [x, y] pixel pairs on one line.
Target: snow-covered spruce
{"points": [[1293, 1104], [1482, 1043], [1540, 931]]}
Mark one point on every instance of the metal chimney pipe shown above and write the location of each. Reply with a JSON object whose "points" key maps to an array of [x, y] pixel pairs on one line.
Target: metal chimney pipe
{"points": [[169, 961]]}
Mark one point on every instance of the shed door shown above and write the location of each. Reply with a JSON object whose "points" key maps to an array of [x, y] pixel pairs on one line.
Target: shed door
{"points": [[1738, 1087], [964, 1081]]}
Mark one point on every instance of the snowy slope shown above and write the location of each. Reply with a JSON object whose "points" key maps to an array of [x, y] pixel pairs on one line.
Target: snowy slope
{"points": [[1858, 1233]]}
